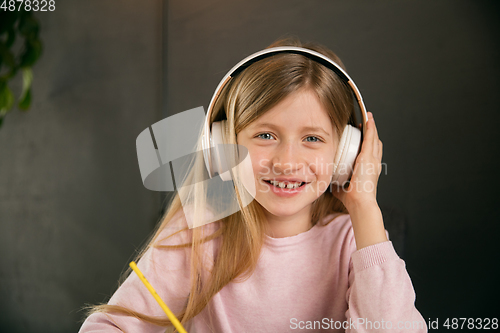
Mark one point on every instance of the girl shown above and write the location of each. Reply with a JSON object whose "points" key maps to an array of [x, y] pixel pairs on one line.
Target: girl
{"points": [[298, 257]]}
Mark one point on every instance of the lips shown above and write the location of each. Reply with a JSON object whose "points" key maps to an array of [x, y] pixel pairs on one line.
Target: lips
{"points": [[287, 180]]}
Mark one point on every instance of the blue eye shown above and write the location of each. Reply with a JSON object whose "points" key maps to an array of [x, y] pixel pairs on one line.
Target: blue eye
{"points": [[265, 136], [316, 139]]}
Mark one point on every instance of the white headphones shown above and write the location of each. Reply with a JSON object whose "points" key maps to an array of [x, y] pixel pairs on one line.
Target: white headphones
{"points": [[350, 142]]}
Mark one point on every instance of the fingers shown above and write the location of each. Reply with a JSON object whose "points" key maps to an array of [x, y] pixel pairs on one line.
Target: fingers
{"points": [[367, 168], [377, 144], [368, 136], [380, 150], [371, 141], [376, 140]]}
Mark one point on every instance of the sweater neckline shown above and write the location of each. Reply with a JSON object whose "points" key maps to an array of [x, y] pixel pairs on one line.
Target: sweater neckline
{"points": [[302, 237]]}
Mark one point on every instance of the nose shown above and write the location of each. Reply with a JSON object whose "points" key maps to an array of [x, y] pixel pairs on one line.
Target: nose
{"points": [[287, 159]]}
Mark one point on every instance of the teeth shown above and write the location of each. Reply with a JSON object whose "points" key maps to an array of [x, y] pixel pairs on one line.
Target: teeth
{"points": [[283, 185]]}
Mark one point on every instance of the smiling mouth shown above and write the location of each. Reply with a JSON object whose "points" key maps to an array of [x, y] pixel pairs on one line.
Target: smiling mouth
{"points": [[285, 185]]}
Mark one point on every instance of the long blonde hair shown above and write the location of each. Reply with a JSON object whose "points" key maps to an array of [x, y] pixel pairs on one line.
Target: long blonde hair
{"points": [[243, 100]]}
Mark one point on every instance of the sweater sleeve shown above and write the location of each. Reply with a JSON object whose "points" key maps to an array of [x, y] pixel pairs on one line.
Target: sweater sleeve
{"points": [[168, 271], [380, 295]]}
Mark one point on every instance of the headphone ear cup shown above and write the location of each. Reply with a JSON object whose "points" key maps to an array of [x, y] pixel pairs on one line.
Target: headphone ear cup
{"points": [[345, 157], [218, 156]]}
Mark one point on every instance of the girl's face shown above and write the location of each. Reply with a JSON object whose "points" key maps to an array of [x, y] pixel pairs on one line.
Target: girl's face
{"points": [[292, 148]]}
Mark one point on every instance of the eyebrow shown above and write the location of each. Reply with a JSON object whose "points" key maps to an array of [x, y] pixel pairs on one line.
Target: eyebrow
{"points": [[305, 128]]}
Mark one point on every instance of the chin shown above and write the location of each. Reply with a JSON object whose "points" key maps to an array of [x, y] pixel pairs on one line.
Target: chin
{"points": [[281, 209]]}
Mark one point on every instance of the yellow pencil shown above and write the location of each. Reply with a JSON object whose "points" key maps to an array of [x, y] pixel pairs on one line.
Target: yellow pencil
{"points": [[164, 306]]}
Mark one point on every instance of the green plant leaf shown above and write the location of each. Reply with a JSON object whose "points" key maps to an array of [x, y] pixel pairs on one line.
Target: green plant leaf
{"points": [[7, 56], [6, 99], [25, 102], [16, 25], [27, 80]]}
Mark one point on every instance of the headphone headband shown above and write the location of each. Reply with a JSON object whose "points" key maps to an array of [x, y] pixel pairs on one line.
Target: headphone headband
{"points": [[316, 56]]}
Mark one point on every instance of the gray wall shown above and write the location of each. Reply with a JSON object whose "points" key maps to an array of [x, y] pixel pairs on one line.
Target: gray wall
{"points": [[428, 70], [72, 205]]}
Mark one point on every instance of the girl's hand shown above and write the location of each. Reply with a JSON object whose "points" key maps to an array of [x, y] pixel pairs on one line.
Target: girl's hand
{"points": [[360, 198], [362, 190]]}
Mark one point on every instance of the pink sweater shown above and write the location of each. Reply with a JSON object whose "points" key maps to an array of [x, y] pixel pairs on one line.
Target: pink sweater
{"points": [[314, 281]]}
